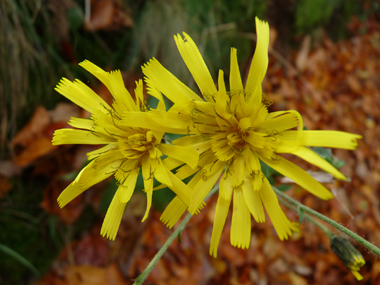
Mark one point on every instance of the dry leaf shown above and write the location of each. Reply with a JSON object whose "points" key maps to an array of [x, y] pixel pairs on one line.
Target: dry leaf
{"points": [[106, 15]]}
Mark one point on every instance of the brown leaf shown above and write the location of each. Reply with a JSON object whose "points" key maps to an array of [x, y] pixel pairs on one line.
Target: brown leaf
{"points": [[39, 121], [91, 250], [106, 15], [302, 57], [35, 149], [5, 185]]}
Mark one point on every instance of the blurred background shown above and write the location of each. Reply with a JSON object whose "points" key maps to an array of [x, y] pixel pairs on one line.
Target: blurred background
{"points": [[324, 62]]}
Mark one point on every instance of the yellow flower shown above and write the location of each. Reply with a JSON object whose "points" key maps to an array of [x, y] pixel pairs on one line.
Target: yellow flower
{"points": [[232, 131], [127, 150]]}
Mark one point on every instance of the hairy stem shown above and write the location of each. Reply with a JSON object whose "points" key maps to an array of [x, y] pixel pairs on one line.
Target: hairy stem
{"points": [[307, 217], [343, 229], [162, 250]]}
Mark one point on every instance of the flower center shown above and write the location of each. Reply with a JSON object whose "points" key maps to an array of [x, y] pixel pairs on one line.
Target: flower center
{"points": [[136, 145]]}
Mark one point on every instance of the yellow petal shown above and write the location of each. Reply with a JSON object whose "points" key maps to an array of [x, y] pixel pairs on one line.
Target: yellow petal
{"points": [[298, 175], [235, 79], [204, 185], [80, 123], [153, 91], [255, 139], [82, 95], [182, 190], [97, 72], [186, 154], [357, 275], [167, 83], [149, 194], [113, 218], [313, 158], [139, 93], [282, 122], [259, 64], [196, 65], [237, 170], [88, 177], [253, 201], [129, 184], [161, 173], [72, 136], [121, 95], [252, 168], [221, 212], [240, 235], [333, 139], [225, 188], [221, 85], [156, 120], [281, 224], [95, 153], [173, 212]]}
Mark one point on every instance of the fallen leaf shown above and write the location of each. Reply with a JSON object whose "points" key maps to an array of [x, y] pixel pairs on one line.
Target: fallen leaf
{"points": [[39, 121], [107, 15], [39, 147]]}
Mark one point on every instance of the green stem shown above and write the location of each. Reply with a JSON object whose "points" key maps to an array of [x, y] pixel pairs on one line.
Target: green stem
{"points": [[139, 280], [308, 217], [343, 229]]}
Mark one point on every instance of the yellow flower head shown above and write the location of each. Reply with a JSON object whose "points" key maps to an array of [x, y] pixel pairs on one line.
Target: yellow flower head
{"points": [[232, 131], [127, 150]]}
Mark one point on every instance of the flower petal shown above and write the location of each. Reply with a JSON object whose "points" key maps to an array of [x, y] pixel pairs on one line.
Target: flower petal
{"points": [[129, 184], [97, 72], [281, 224], [333, 139], [253, 201], [96, 153], [186, 154], [123, 98], [235, 79], [313, 158], [196, 65], [80, 123], [259, 64], [173, 212], [157, 120], [167, 83], [182, 190], [284, 121], [204, 185], [221, 212], [81, 95], [88, 177], [225, 188], [113, 218], [72, 136], [298, 175], [240, 235]]}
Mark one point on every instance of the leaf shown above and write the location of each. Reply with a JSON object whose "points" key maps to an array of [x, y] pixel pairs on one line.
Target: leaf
{"points": [[284, 187], [301, 214], [106, 15], [19, 258]]}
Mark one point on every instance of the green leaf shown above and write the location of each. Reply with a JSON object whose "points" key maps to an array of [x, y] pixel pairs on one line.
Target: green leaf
{"points": [[179, 238], [284, 187], [19, 258]]}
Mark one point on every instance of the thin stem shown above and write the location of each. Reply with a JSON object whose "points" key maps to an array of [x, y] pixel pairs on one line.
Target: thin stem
{"points": [[139, 280], [308, 217], [343, 229]]}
